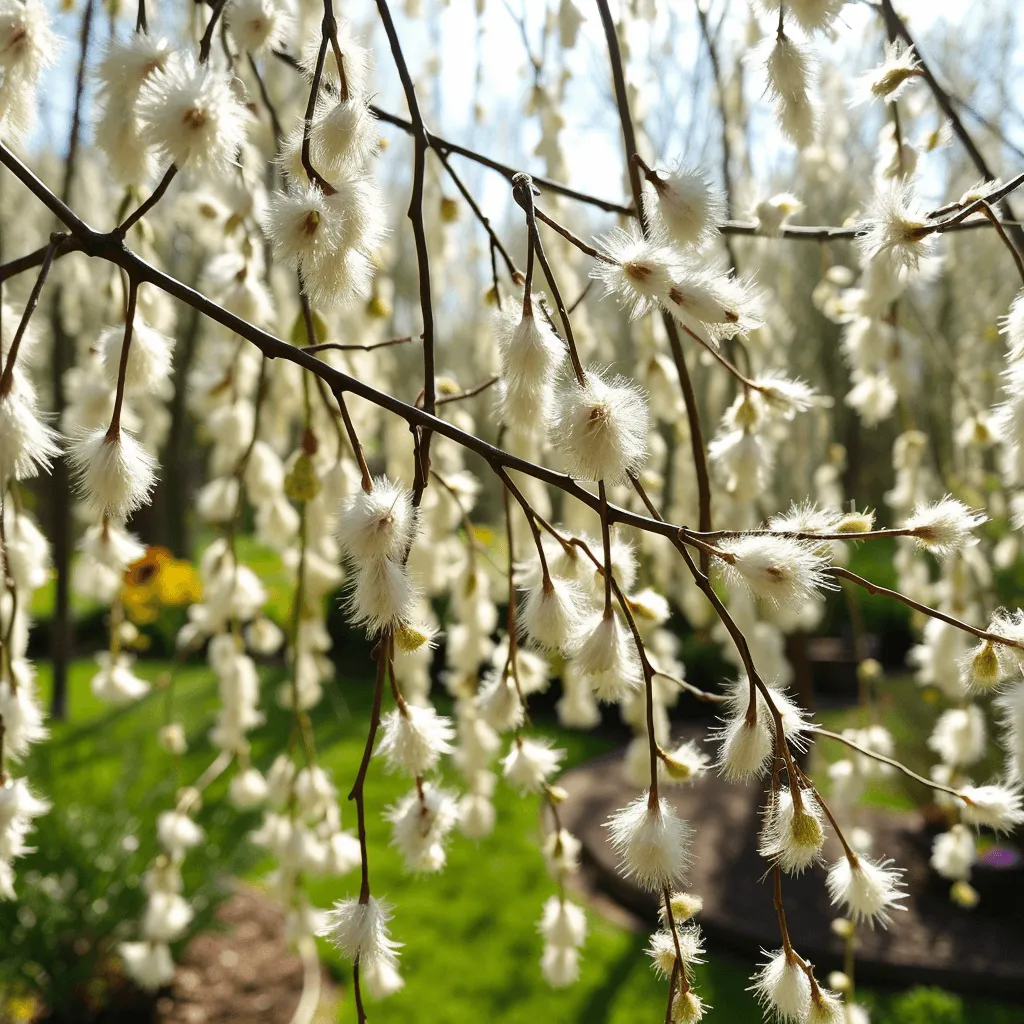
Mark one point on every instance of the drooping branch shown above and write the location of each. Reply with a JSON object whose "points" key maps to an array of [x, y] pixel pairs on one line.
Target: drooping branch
{"points": [[496, 243], [421, 143], [110, 246], [897, 27], [716, 74], [792, 232], [700, 462], [7, 369]]}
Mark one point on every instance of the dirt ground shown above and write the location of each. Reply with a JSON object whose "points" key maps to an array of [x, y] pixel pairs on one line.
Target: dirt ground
{"points": [[245, 974]]}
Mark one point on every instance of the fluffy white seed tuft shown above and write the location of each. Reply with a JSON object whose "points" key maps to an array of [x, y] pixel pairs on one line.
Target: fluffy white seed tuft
{"points": [[413, 740], [997, 806], [258, 25], [552, 613], [783, 572], [652, 842], [192, 116], [361, 930], [783, 988], [868, 890], [27, 445], [379, 523], [944, 526], [114, 472], [685, 204], [792, 837], [149, 356], [602, 428], [898, 227], [529, 764], [420, 824]]}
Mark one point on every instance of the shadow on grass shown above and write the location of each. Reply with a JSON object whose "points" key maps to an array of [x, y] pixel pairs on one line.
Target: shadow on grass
{"points": [[598, 1007]]}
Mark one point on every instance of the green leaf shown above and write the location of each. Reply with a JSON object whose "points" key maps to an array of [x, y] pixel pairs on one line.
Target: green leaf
{"points": [[297, 336]]}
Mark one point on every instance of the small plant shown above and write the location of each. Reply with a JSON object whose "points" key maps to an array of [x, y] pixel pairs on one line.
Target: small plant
{"points": [[79, 897], [927, 1006]]}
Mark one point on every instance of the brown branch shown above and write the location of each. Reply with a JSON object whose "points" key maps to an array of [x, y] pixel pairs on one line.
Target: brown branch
{"points": [[495, 241], [458, 396], [897, 27], [110, 247], [874, 588], [421, 143], [122, 369], [36, 258], [689, 397], [522, 192], [892, 762], [307, 118], [716, 74], [731, 367], [1004, 237], [7, 375], [570, 237], [354, 443], [207, 41], [382, 653], [76, 114], [508, 172], [275, 121], [694, 691], [155, 196], [335, 346]]}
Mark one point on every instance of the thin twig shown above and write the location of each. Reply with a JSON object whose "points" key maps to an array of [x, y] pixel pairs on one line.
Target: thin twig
{"points": [[421, 143], [700, 462], [155, 196], [459, 396], [874, 588], [207, 41], [110, 247], [492, 235], [36, 257], [522, 192], [275, 122], [335, 346], [897, 27], [7, 376], [930, 783]]}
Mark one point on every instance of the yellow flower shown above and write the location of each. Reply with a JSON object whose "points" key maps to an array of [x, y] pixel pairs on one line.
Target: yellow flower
{"points": [[155, 581], [178, 583]]}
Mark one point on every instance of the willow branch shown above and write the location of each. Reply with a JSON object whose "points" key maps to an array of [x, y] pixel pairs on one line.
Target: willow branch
{"points": [[36, 257], [459, 396], [892, 762], [7, 375], [421, 143], [207, 41], [110, 246], [898, 27], [336, 346], [485, 223], [155, 196], [874, 588], [700, 462]]}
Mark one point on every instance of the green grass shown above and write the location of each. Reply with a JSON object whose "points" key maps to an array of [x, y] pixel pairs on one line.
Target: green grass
{"points": [[471, 946]]}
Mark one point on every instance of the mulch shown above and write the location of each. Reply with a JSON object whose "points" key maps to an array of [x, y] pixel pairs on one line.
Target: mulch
{"points": [[932, 942], [245, 973]]}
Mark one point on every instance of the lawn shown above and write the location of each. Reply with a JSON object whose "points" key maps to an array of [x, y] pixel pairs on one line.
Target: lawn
{"points": [[471, 947]]}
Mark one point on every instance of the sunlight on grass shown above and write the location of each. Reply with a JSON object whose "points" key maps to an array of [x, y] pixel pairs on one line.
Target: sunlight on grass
{"points": [[472, 950]]}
